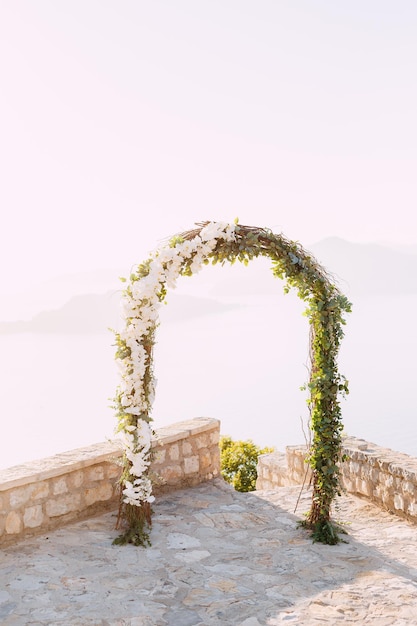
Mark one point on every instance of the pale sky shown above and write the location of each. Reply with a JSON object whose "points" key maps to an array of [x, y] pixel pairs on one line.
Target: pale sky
{"points": [[124, 122]]}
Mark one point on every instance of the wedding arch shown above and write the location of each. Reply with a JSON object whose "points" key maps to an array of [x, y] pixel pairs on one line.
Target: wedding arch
{"points": [[184, 255]]}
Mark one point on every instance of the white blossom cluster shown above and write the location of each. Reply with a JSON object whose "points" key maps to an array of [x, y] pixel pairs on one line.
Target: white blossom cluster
{"points": [[140, 304], [137, 444]]}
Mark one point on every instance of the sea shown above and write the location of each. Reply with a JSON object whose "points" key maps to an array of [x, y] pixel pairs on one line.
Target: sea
{"points": [[244, 366]]}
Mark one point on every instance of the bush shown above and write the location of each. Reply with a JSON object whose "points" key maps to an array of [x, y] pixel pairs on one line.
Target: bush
{"points": [[238, 461]]}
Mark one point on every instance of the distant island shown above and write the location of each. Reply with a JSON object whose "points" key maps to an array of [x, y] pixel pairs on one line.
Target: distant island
{"points": [[96, 313]]}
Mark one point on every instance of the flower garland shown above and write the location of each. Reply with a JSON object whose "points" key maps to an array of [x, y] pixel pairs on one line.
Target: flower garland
{"points": [[134, 400], [185, 255]]}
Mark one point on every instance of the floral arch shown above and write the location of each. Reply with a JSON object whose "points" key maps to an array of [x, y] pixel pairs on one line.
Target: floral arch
{"points": [[184, 255]]}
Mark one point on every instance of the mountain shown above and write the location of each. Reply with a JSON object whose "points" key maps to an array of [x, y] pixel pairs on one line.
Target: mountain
{"points": [[367, 268], [95, 313]]}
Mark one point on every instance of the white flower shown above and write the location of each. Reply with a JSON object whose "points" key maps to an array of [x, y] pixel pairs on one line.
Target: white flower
{"points": [[132, 494], [230, 232], [215, 230], [139, 465], [125, 400], [185, 249], [166, 255], [196, 263], [144, 434], [133, 410]]}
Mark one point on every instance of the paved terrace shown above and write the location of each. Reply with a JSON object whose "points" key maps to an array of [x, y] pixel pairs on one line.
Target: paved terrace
{"points": [[217, 557]]}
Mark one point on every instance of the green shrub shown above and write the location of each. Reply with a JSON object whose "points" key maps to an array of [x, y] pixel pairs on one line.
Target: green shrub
{"points": [[238, 460]]}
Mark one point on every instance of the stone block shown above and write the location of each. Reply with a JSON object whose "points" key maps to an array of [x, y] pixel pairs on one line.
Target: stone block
{"points": [[13, 525], [75, 480], [205, 459], [365, 488], [215, 455], [377, 492], [412, 509], [409, 487], [40, 491], [384, 465], [374, 475], [214, 437], [299, 464], [20, 496], [159, 457], [399, 502], [98, 494], [398, 483], [174, 452], [61, 506], [388, 500], [95, 473], [113, 470], [33, 516], [171, 474], [187, 448], [389, 480], [201, 441], [354, 467], [59, 486], [349, 484], [191, 465]]}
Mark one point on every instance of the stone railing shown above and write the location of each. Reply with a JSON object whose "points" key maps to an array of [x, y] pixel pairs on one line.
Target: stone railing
{"points": [[42, 495], [386, 477]]}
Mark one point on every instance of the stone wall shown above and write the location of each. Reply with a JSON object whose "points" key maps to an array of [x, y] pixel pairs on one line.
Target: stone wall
{"points": [[386, 477], [42, 495]]}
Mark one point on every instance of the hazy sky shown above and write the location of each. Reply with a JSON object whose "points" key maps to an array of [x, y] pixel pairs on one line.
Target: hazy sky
{"points": [[124, 122]]}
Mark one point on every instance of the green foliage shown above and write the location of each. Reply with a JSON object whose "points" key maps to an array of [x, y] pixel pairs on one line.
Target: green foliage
{"points": [[137, 535], [325, 531], [238, 460]]}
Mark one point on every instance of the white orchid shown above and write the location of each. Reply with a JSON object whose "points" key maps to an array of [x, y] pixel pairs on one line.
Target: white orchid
{"points": [[140, 305]]}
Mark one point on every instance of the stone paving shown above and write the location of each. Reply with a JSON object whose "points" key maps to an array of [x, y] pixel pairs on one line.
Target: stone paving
{"points": [[217, 557]]}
